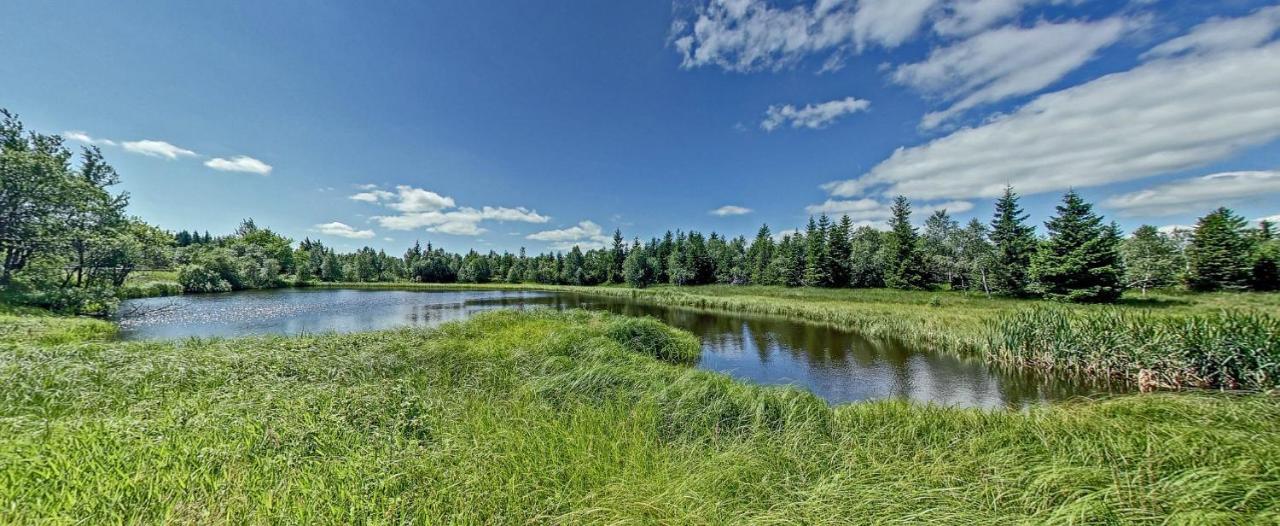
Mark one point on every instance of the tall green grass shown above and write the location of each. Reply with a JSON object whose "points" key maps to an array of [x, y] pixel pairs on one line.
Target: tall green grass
{"points": [[1228, 349], [554, 418]]}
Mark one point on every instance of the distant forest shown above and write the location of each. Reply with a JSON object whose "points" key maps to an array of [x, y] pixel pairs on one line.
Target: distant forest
{"points": [[67, 244]]}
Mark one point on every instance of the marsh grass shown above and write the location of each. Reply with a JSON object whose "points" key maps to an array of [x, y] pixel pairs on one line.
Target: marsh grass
{"points": [[543, 417]]}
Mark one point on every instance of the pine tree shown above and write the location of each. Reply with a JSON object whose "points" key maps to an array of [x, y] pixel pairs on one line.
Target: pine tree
{"points": [[617, 256], [1218, 256], [1014, 242], [760, 255], [1081, 259], [816, 258], [905, 267], [1151, 259], [838, 252]]}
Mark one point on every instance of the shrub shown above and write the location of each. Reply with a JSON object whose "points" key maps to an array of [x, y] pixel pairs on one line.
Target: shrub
{"points": [[197, 278]]}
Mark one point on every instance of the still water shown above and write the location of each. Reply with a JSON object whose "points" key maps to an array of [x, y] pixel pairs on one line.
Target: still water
{"points": [[837, 365]]}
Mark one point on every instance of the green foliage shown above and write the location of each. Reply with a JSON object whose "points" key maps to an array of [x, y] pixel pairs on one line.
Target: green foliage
{"points": [[638, 269], [653, 338], [904, 265], [817, 261], [1228, 349], [1081, 260], [1218, 256], [1013, 242], [1151, 259]]}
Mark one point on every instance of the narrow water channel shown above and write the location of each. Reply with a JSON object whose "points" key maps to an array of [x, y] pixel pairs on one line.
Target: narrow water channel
{"points": [[838, 365]]}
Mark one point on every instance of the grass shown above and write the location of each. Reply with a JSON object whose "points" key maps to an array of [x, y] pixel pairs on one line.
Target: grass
{"points": [[150, 284], [1163, 339], [543, 417]]}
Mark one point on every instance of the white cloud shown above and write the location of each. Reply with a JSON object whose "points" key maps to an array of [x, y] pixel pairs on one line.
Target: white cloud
{"points": [[585, 233], [1223, 34], [749, 35], [153, 148], [1006, 62], [1197, 194], [239, 163], [730, 210], [343, 230], [372, 196], [967, 17], [420, 208], [812, 116], [1160, 117], [870, 211], [1173, 229], [1275, 219], [80, 136]]}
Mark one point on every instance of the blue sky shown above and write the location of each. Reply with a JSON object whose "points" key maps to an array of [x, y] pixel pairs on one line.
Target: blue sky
{"points": [[542, 124]]}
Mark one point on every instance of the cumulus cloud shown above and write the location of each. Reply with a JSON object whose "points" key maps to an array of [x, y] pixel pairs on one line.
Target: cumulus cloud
{"points": [[419, 208], [1006, 62], [750, 35], [1197, 194], [730, 210], [239, 163], [1160, 117], [343, 230], [153, 148], [80, 136], [585, 233], [812, 116], [1223, 34]]}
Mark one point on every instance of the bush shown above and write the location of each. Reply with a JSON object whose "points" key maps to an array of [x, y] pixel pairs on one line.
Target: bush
{"points": [[90, 301], [197, 278], [149, 290]]}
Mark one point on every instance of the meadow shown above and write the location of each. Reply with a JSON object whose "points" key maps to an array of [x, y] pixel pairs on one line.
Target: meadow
{"points": [[572, 418]]}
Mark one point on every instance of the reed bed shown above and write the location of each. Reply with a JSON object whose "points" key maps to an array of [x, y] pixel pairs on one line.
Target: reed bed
{"points": [[554, 418]]}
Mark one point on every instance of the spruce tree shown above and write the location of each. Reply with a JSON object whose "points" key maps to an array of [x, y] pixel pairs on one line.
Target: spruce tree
{"points": [[1081, 259], [760, 255], [816, 260], [905, 264], [1218, 256], [1014, 242], [617, 257], [838, 252]]}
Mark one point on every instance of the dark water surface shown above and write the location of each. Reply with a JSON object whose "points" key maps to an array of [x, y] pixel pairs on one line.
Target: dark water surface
{"points": [[837, 365]]}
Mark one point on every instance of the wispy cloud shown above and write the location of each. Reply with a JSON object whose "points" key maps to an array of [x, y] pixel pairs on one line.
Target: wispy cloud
{"points": [[154, 148], [871, 210], [1223, 34], [80, 136], [1006, 62], [730, 210], [812, 116], [1197, 194], [1160, 117], [239, 163], [343, 230]]}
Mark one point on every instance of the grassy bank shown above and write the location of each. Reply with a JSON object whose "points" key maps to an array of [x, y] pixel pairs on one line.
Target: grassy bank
{"points": [[1220, 340], [554, 418]]}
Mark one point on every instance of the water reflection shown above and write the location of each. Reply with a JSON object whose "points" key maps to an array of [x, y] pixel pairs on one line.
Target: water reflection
{"points": [[838, 365]]}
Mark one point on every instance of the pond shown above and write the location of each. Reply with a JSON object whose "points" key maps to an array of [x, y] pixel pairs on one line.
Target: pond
{"points": [[838, 365]]}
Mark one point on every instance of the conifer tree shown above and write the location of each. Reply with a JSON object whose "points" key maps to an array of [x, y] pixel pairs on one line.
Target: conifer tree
{"points": [[1014, 242], [760, 255], [617, 257], [905, 264], [816, 258], [1081, 259], [838, 252], [1218, 256]]}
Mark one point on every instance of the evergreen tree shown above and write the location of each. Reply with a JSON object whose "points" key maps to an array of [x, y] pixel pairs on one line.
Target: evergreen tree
{"points": [[760, 255], [1218, 256], [637, 268], [1151, 259], [617, 256], [1014, 242], [838, 252], [1081, 259], [938, 246], [905, 267], [816, 257]]}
